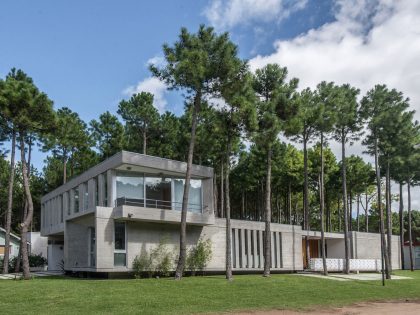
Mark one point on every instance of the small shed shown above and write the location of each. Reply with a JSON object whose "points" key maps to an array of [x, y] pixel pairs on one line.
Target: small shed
{"points": [[14, 243], [416, 255]]}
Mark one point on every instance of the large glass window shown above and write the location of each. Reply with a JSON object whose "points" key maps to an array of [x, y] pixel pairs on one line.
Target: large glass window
{"points": [[194, 195], [158, 192], [119, 242], [130, 187]]}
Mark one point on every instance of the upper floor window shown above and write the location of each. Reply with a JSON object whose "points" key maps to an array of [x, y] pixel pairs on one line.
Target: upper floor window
{"points": [[76, 200], [85, 197]]}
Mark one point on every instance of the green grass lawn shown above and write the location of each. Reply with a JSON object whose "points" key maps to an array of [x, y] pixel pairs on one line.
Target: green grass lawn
{"points": [[194, 294]]}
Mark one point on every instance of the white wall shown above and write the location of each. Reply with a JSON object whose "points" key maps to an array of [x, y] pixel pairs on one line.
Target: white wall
{"points": [[38, 244]]}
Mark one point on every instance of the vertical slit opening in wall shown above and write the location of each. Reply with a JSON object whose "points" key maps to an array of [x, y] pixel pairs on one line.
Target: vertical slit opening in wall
{"points": [[233, 248], [281, 249], [246, 249], [252, 249], [240, 248], [275, 249], [258, 249], [263, 248]]}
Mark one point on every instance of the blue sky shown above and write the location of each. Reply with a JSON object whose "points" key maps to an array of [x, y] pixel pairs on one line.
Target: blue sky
{"points": [[88, 55], [84, 54]]}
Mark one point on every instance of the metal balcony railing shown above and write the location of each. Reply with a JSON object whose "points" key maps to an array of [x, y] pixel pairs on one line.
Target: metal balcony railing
{"points": [[158, 204]]}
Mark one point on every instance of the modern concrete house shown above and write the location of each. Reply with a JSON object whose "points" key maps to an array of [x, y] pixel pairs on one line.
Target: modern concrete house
{"points": [[101, 220]]}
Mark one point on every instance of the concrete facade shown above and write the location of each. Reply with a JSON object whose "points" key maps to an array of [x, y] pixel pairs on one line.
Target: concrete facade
{"points": [[99, 229]]}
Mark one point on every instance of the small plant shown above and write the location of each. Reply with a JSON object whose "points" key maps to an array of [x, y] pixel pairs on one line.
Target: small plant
{"points": [[159, 262], [199, 256]]}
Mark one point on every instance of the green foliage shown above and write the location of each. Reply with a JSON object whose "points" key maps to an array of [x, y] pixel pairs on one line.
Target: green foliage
{"points": [[199, 256], [159, 261], [108, 134]]}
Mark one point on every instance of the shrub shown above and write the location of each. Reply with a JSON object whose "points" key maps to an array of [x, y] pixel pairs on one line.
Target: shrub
{"points": [[37, 261], [199, 256], [158, 262]]}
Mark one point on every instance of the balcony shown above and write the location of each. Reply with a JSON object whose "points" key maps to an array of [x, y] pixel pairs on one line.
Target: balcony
{"points": [[163, 211]]}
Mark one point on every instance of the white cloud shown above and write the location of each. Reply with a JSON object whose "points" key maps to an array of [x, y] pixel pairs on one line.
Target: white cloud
{"points": [[157, 61], [229, 13], [370, 42], [151, 85]]}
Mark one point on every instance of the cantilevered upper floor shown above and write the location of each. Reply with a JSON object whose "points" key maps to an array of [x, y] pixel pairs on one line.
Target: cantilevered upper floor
{"points": [[137, 187]]}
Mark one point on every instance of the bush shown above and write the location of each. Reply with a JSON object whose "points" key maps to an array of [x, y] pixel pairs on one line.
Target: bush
{"points": [[37, 261], [159, 262], [199, 256]]}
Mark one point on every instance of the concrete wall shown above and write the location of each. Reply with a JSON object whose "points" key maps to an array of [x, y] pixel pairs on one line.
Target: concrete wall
{"points": [[141, 236], [335, 248], [76, 242], [368, 245], [38, 244]]}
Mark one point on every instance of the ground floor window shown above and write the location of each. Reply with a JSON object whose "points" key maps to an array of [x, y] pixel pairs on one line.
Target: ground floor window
{"points": [[92, 247], [120, 252]]}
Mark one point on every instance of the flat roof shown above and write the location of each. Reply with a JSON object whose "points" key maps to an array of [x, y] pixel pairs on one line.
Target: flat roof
{"points": [[146, 163]]}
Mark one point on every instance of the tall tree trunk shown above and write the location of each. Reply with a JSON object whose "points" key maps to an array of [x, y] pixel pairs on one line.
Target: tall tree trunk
{"points": [[358, 212], [346, 222], [388, 216], [183, 232], [289, 202], [321, 198], [64, 170], [339, 215], [228, 224], [384, 252], [242, 204], [410, 236], [401, 217], [367, 212], [28, 218], [267, 241], [306, 196], [222, 190], [144, 140], [215, 199], [9, 206], [350, 209]]}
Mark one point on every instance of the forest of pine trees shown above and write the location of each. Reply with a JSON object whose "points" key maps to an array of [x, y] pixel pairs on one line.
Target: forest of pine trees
{"points": [[269, 143]]}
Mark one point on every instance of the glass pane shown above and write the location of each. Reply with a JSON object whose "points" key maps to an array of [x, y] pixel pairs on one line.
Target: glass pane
{"points": [[158, 192], [86, 197], [130, 186], [119, 259], [76, 200], [120, 235], [194, 195]]}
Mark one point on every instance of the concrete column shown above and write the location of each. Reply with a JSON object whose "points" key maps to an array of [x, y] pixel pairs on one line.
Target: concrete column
{"points": [[248, 244], [81, 195], [71, 196], [65, 204], [254, 233], [279, 250], [237, 244], [91, 193], [101, 190], [261, 256], [111, 188]]}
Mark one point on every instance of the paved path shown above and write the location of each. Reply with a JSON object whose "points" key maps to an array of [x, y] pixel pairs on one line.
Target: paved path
{"points": [[377, 308], [12, 276], [352, 276]]}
